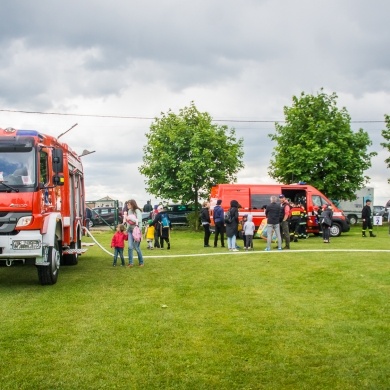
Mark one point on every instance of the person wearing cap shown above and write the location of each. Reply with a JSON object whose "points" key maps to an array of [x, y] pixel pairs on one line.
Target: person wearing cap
{"points": [[326, 222], [366, 216], [219, 223], [284, 223]]}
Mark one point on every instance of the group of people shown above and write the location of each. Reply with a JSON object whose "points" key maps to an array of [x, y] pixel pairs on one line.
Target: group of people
{"points": [[156, 232], [284, 219], [228, 223]]}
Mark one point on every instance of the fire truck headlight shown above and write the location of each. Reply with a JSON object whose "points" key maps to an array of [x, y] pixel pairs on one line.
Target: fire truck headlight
{"points": [[26, 244], [24, 221]]}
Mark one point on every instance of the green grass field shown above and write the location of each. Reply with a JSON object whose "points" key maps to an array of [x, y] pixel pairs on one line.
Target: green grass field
{"points": [[315, 317]]}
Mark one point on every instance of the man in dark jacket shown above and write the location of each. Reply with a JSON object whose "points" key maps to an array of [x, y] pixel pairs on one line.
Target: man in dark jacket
{"points": [[219, 223], [366, 216], [272, 212]]}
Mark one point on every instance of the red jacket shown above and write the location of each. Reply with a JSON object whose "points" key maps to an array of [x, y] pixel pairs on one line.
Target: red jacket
{"points": [[118, 240]]}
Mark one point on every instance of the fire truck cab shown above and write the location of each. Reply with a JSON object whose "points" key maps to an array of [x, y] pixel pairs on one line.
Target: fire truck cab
{"points": [[253, 199], [42, 202]]}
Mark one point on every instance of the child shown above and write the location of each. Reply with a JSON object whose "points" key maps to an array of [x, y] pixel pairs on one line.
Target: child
{"points": [[149, 234], [249, 231], [118, 243], [241, 229]]}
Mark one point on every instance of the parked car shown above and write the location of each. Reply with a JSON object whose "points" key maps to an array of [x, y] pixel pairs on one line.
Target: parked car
{"points": [[105, 216], [178, 213], [381, 211]]}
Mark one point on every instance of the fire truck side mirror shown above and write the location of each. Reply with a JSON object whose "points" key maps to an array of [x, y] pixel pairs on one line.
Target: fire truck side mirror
{"points": [[58, 160], [58, 167]]}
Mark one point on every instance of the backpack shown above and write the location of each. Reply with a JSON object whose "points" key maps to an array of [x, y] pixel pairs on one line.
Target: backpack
{"points": [[165, 220], [137, 235], [228, 217]]}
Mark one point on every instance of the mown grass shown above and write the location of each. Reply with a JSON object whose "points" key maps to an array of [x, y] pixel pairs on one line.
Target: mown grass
{"points": [[256, 320]]}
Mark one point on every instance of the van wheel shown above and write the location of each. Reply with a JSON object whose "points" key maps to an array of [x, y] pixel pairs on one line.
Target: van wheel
{"points": [[352, 219], [335, 230], [49, 274]]}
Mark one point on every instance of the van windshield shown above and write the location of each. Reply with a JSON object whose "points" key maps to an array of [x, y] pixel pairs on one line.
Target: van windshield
{"points": [[17, 168]]}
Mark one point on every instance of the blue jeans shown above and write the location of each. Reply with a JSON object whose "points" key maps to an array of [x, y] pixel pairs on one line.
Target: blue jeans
{"points": [[118, 252], [231, 241], [134, 245]]}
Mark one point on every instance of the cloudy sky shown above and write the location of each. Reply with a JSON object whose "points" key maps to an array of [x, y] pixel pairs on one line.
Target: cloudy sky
{"points": [[110, 66]]}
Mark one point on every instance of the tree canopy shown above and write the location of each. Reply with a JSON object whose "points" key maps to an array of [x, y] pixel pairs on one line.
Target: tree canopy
{"points": [[317, 145], [186, 154], [386, 136]]}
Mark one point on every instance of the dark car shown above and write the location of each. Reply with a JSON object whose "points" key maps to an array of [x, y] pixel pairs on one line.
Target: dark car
{"points": [[105, 216], [381, 211], [178, 213]]}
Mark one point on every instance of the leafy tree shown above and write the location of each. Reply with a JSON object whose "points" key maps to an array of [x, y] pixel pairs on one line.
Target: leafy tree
{"points": [[386, 136], [316, 145], [186, 154]]}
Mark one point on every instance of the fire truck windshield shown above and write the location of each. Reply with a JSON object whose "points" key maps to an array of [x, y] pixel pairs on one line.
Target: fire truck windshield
{"points": [[17, 168]]}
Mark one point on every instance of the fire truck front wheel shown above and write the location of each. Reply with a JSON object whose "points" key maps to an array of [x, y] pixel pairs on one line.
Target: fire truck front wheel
{"points": [[48, 274]]}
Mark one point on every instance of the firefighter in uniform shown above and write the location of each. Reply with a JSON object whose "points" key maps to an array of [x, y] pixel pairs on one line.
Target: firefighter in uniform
{"points": [[302, 224], [295, 220], [366, 216]]}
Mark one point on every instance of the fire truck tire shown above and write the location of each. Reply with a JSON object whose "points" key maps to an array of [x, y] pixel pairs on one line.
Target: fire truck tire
{"points": [[335, 230], [49, 274]]}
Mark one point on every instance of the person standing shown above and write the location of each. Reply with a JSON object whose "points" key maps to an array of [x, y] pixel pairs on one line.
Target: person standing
{"points": [[272, 212], [367, 220], [232, 226], [133, 218], [164, 226], [219, 224], [248, 230], [295, 220], [156, 227], [118, 243], [326, 222], [148, 207], [205, 220], [285, 214], [149, 234]]}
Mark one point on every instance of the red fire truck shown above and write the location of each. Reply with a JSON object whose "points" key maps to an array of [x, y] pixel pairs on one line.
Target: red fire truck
{"points": [[253, 199], [42, 200]]}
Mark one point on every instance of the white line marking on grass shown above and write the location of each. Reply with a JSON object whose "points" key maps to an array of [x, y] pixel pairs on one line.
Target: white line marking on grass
{"points": [[240, 252], [265, 253]]}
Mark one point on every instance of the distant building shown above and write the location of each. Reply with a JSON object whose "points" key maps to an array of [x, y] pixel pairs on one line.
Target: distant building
{"points": [[103, 202]]}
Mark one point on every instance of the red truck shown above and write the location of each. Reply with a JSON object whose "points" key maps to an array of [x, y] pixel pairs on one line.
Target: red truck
{"points": [[253, 199], [42, 200]]}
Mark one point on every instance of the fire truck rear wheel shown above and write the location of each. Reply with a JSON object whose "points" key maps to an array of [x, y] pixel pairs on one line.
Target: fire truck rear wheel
{"points": [[49, 274]]}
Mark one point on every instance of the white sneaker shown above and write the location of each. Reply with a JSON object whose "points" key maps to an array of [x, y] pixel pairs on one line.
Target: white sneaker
{"points": [[235, 250]]}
